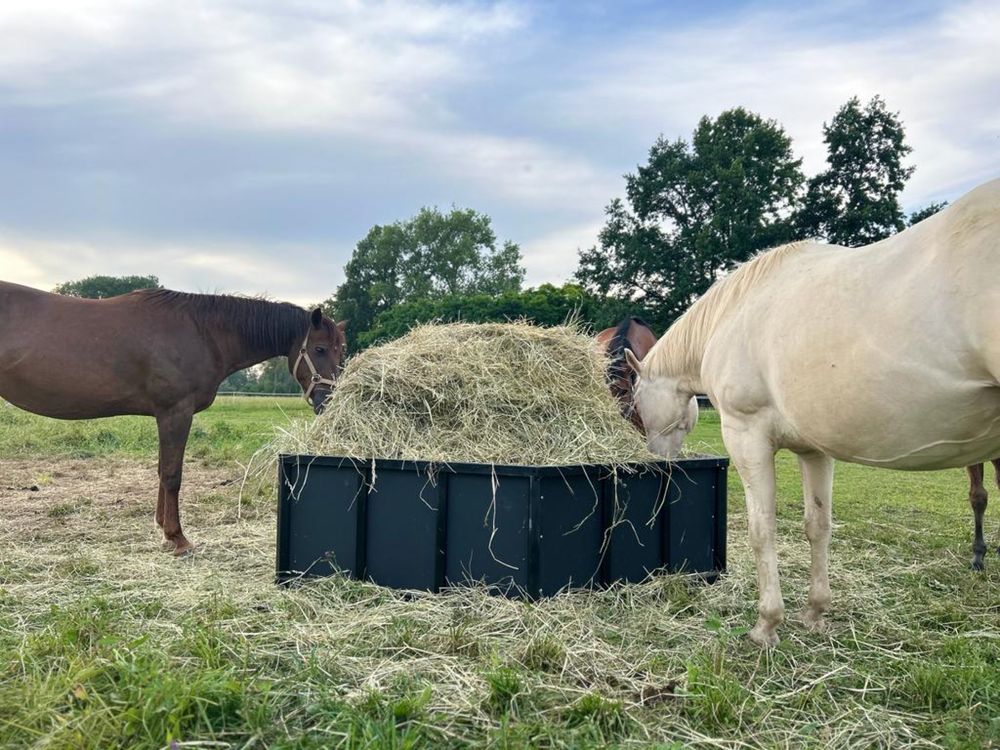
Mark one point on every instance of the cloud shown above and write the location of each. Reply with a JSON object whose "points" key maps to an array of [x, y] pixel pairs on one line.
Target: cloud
{"points": [[246, 145], [551, 258], [333, 67], [295, 274], [800, 66]]}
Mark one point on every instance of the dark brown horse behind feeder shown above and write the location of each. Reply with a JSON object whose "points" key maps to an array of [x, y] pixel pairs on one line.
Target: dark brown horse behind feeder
{"points": [[635, 334], [156, 353], [977, 499]]}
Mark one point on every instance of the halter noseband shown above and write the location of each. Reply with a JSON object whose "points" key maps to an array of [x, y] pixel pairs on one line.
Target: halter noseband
{"points": [[315, 378]]}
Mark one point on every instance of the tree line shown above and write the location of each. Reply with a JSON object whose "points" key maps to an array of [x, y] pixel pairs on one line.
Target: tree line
{"points": [[690, 214]]}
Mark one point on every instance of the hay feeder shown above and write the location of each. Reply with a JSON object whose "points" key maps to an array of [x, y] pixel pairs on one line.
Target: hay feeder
{"points": [[520, 530]]}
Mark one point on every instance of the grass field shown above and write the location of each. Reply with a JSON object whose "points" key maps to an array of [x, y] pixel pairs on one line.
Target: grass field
{"points": [[105, 641]]}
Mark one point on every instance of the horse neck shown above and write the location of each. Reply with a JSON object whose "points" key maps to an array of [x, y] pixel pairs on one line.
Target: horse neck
{"points": [[259, 337], [679, 354]]}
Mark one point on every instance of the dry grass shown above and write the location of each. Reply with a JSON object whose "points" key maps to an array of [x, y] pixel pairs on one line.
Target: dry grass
{"points": [[108, 642], [509, 393]]}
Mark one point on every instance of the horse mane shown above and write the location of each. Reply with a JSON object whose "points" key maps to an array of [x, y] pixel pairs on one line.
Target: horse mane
{"points": [[261, 323], [618, 368], [682, 346]]}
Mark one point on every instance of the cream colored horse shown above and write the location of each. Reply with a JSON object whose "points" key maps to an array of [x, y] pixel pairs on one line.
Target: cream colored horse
{"points": [[886, 355]]}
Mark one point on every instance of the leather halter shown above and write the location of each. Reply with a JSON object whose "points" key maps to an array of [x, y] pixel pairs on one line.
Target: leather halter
{"points": [[315, 378]]}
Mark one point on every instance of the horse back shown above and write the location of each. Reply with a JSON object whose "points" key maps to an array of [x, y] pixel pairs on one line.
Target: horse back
{"points": [[76, 358]]}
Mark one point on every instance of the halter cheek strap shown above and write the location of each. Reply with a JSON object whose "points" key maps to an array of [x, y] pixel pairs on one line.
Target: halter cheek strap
{"points": [[315, 378]]}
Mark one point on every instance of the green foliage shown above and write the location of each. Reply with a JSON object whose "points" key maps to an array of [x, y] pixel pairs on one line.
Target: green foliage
{"points": [[855, 201], [504, 686], [926, 212], [695, 210], [271, 377], [429, 256], [545, 305], [102, 287]]}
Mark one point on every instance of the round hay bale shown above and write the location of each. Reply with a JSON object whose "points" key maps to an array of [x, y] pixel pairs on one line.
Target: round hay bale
{"points": [[511, 393]]}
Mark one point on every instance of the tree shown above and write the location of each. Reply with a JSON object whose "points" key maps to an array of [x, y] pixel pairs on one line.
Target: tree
{"points": [[855, 201], [241, 381], [545, 305], [428, 256], [695, 210], [274, 377], [927, 211], [101, 287]]}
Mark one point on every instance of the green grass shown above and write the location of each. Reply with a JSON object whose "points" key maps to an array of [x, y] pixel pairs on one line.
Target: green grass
{"points": [[233, 428], [107, 642]]}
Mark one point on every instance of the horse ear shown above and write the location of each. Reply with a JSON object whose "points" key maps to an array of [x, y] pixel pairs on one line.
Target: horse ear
{"points": [[316, 317], [634, 363], [342, 325]]}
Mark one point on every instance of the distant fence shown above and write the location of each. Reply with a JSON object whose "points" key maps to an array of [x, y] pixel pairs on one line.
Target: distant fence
{"points": [[260, 395]]}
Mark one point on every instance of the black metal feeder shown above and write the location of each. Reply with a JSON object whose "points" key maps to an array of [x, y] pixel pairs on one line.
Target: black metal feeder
{"points": [[521, 530]]}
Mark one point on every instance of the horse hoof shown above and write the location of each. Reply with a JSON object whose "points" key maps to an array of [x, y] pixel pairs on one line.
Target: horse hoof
{"points": [[764, 636], [814, 621], [977, 564], [167, 546], [184, 549]]}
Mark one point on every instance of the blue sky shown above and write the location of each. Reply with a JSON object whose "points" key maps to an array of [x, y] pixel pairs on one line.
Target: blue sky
{"points": [[246, 145]]}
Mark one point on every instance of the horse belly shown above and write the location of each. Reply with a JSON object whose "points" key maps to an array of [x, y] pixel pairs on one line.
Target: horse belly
{"points": [[945, 433], [63, 390]]}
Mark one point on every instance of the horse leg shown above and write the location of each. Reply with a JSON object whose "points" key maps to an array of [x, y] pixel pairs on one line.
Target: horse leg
{"points": [[754, 460], [159, 493], [817, 494], [977, 499], [173, 428], [996, 472]]}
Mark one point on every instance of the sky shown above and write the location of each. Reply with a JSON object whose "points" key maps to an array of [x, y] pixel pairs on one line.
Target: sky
{"points": [[245, 146]]}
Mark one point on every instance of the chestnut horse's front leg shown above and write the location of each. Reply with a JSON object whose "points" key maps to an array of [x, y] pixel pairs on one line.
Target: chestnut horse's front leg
{"points": [[173, 427]]}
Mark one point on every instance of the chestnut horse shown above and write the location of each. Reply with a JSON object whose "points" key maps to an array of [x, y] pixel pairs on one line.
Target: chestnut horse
{"points": [[634, 334], [155, 353], [977, 499]]}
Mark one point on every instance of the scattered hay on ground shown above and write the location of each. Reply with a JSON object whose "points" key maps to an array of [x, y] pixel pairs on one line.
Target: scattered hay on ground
{"points": [[111, 643], [501, 393]]}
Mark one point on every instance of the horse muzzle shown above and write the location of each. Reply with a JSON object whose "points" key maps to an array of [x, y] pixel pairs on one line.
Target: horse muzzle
{"points": [[318, 398]]}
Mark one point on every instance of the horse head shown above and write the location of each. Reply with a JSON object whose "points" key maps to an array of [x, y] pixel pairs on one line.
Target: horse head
{"points": [[318, 358], [667, 411]]}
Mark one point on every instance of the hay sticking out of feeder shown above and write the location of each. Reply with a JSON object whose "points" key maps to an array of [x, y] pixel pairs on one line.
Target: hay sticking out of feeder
{"points": [[511, 393]]}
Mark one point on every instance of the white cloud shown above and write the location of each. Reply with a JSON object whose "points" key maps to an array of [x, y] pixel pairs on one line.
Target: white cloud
{"points": [[332, 67], [295, 274], [392, 81], [551, 257], [942, 75]]}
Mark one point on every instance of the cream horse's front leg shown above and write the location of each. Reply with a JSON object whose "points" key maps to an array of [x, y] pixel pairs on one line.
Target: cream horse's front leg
{"points": [[753, 457], [817, 494]]}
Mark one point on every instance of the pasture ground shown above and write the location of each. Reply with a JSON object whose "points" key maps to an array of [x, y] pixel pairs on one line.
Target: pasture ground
{"points": [[105, 641]]}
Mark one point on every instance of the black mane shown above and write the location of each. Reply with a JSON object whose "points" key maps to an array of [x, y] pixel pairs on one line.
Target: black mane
{"points": [[263, 324], [619, 343]]}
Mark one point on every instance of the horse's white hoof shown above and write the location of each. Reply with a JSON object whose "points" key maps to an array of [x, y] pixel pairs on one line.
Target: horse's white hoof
{"points": [[764, 635], [814, 621]]}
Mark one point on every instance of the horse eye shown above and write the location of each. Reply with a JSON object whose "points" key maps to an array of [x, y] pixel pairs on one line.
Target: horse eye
{"points": [[320, 350]]}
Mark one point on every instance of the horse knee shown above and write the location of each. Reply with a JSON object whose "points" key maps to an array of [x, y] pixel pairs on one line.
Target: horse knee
{"points": [[817, 529], [978, 499]]}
